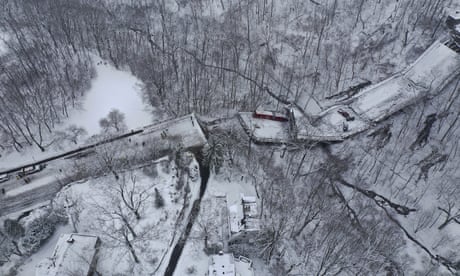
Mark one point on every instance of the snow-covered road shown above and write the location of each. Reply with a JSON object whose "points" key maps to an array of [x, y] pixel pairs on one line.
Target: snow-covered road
{"points": [[45, 184]]}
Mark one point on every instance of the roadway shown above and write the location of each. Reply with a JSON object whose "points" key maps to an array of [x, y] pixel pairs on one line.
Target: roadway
{"points": [[21, 196]]}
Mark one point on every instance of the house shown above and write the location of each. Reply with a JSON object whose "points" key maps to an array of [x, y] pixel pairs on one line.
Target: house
{"points": [[453, 23], [453, 19], [243, 222], [224, 264], [74, 254]]}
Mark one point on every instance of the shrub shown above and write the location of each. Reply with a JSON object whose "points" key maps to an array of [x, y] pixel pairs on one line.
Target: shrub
{"points": [[39, 230]]}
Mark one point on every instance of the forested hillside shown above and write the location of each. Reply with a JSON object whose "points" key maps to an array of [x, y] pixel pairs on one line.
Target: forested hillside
{"points": [[384, 202], [204, 56]]}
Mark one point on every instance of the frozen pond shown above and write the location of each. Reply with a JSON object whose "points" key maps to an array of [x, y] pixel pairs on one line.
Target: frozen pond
{"points": [[111, 89]]}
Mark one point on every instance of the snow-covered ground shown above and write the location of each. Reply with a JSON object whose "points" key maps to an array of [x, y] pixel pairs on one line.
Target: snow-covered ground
{"points": [[265, 130], [185, 129], [427, 75], [420, 175], [3, 48], [35, 183], [229, 183], [111, 89], [158, 228]]}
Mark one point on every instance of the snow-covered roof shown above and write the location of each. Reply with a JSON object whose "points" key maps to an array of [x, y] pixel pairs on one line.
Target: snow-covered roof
{"points": [[249, 199], [243, 266], [455, 14], [235, 213], [73, 254], [227, 265], [222, 265], [243, 215]]}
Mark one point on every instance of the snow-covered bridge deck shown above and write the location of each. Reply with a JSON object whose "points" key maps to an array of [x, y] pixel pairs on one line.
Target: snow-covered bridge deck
{"points": [[185, 129], [428, 75]]}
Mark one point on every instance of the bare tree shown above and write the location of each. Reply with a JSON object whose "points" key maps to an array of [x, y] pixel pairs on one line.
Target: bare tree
{"points": [[132, 195], [114, 122]]}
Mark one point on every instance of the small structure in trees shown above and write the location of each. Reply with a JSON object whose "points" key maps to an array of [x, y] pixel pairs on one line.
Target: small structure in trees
{"points": [[453, 23], [74, 254], [224, 264], [243, 222]]}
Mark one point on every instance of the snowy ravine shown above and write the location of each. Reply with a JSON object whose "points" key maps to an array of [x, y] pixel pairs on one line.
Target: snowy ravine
{"points": [[177, 251]]}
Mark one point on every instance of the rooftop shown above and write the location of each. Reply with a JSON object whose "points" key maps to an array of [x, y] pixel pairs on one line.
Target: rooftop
{"points": [[243, 215], [224, 264], [455, 14], [73, 254]]}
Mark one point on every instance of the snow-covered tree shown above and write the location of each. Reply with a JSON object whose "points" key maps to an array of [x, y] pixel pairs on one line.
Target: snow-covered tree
{"points": [[114, 122]]}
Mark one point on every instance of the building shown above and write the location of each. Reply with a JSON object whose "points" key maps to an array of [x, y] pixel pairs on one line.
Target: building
{"points": [[243, 221], [453, 23], [224, 264], [74, 254]]}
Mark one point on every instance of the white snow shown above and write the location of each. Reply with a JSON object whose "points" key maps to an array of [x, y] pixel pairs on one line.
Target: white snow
{"points": [[427, 74], [243, 266], [231, 184], [111, 89], [455, 14], [377, 101], [185, 128], [160, 227], [74, 253], [222, 265], [226, 264], [264, 129], [35, 183], [434, 66], [192, 257], [3, 48]]}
